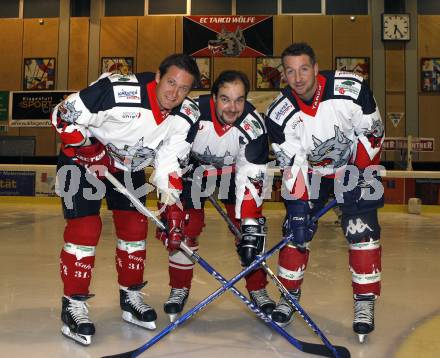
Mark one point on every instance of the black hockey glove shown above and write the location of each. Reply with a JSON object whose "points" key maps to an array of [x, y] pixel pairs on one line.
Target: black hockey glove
{"points": [[252, 240], [297, 223]]}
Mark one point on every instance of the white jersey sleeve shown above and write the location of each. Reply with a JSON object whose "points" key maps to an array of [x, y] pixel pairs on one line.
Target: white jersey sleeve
{"points": [[251, 165]]}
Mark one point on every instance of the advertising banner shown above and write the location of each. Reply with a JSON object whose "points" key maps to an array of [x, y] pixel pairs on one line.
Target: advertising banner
{"points": [[228, 36], [33, 108]]}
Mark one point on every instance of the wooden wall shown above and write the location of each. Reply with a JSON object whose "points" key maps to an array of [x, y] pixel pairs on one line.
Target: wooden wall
{"points": [[149, 39], [429, 103]]}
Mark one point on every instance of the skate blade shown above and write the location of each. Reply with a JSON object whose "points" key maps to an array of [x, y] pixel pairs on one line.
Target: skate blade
{"points": [[284, 324], [362, 338], [173, 317], [80, 338], [128, 317]]}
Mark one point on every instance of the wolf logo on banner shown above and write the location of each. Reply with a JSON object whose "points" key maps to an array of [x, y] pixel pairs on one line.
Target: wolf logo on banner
{"points": [[228, 36]]}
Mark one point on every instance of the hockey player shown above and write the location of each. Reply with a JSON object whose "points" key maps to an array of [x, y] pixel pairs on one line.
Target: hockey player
{"points": [[231, 137], [321, 125], [124, 123]]}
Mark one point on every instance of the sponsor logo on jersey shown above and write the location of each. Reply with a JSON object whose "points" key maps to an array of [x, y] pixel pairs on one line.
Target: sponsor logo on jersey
{"points": [[252, 127], [281, 111], [116, 77], [127, 94], [296, 121], [317, 97], [190, 110], [347, 74], [347, 87], [131, 115]]}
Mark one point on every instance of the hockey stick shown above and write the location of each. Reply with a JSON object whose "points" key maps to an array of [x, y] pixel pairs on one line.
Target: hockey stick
{"points": [[275, 279], [303, 346]]}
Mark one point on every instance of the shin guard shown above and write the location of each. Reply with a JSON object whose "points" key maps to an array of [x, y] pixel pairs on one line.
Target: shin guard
{"points": [[292, 264], [256, 280], [365, 266], [180, 267], [77, 258], [131, 230]]}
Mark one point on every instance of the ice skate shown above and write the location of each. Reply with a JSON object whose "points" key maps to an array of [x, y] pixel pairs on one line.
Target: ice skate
{"points": [[262, 300], [134, 309], [74, 314], [363, 322], [282, 315], [175, 303]]}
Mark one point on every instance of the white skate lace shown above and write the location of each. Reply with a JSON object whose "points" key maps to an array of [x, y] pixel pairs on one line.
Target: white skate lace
{"points": [[136, 301], [79, 311], [260, 297], [177, 295], [364, 311]]}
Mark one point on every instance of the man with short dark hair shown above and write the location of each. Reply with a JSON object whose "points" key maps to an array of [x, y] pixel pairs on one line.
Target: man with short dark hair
{"points": [[231, 144], [120, 123], [322, 125]]}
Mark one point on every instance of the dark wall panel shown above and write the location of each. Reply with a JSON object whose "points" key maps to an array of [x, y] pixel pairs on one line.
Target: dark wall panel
{"points": [[124, 8], [301, 7], [41, 8], [346, 7], [431, 7], [9, 9], [164, 7], [213, 7], [256, 7]]}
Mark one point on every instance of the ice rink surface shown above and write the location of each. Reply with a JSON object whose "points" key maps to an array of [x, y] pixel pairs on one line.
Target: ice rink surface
{"points": [[407, 313]]}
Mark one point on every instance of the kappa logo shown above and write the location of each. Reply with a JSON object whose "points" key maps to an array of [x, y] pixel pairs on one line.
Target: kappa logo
{"points": [[358, 227]]}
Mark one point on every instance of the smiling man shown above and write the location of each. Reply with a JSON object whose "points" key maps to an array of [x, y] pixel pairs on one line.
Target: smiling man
{"points": [[327, 125], [231, 139], [120, 123]]}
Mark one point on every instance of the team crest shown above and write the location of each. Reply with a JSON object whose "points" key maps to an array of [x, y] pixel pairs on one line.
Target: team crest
{"points": [[332, 153], [68, 113]]}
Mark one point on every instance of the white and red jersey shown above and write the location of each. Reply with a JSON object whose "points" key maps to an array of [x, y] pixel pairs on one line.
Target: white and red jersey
{"points": [[122, 112], [242, 145], [341, 125]]}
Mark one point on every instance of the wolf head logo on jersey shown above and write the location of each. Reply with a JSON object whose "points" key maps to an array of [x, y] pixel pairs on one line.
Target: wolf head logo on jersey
{"points": [[68, 113], [135, 157], [217, 161], [228, 43], [375, 133], [333, 152]]}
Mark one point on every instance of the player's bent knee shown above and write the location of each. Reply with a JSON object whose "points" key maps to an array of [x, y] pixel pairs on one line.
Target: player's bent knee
{"points": [[361, 228], [83, 231], [130, 225], [196, 222]]}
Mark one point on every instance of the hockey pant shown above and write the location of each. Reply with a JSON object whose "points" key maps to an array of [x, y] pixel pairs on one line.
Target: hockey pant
{"points": [[181, 267]]}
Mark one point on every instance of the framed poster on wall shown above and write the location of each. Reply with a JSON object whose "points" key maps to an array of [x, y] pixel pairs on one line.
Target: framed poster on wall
{"points": [[204, 65], [120, 65], [357, 65], [269, 74], [39, 74], [430, 75]]}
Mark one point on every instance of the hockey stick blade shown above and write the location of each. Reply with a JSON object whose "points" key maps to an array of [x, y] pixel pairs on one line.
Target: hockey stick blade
{"points": [[129, 354], [322, 350]]}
